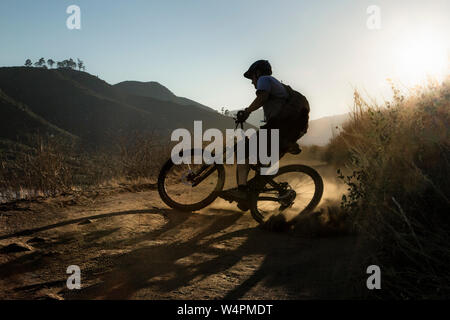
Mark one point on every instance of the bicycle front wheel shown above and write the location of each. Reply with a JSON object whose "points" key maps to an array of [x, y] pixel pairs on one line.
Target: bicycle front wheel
{"points": [[190, 187], [294, 190]]}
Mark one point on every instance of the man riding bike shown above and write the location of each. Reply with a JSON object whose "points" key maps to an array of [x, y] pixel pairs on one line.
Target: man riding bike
{"points": [[284, 109]]}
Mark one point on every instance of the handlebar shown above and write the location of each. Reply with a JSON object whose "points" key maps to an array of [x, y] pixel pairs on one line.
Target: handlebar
{"points": [[239, 119]]}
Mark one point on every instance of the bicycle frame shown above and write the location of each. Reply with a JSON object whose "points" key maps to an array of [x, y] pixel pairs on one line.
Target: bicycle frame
{"points": [[256, 184]]}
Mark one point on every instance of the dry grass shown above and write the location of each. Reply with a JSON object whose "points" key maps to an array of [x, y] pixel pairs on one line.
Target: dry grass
{"points": [[141, 155], [398, 155], [50, 166]]}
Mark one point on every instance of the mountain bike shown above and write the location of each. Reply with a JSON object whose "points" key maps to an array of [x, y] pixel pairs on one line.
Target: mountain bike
{"points": [[293, 190]]}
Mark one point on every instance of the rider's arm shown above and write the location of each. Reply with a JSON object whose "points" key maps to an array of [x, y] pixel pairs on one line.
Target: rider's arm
{"points": [[260, 100]]}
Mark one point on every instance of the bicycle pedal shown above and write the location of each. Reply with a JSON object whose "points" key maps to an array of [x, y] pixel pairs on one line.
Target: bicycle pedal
{"points": [[226, 198], [243, 206], [230, 197]]}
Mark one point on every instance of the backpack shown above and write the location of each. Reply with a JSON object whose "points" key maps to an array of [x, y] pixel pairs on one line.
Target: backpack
{"points": [[296, 108]]}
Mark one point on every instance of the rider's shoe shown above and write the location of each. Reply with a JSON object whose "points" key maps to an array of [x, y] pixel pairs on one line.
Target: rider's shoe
{"points": [[243, 205], [294, 149], [235, 194]]}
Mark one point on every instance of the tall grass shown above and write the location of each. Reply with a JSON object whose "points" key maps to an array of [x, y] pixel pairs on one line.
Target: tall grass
{"points": [[141, 155], [48, 166], [398, 188]]}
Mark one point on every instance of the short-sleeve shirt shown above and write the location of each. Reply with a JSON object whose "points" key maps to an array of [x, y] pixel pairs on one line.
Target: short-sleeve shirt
{"points": [[271, 85], [277, 92]]}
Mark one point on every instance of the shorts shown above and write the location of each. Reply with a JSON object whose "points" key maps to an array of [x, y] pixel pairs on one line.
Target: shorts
{"points": [[290, 130]]}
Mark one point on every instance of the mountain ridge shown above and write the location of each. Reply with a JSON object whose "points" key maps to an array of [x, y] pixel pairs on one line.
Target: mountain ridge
{"points": [[90, 108], [156, 90]]}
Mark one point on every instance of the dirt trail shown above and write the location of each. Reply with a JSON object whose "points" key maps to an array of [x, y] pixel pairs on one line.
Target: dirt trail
{"points": [[129, 245]]}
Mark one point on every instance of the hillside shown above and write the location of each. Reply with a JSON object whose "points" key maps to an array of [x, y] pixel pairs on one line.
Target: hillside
{"points": [[86, 106], [155, 90], [17, 120]]}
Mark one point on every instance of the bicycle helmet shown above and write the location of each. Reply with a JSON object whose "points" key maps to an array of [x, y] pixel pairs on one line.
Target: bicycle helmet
{"points": [[263, 66]]}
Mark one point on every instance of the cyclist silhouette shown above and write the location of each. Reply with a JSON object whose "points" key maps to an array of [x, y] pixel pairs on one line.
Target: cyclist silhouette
{"points": [[274, 97]]}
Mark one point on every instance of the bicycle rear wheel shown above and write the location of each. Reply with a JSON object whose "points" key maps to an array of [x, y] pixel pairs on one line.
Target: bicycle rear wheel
{"points": [[190, 187], [295, 189]]}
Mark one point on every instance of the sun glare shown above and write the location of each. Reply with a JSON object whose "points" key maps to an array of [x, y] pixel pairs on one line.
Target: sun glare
{"points": [[417, 58]]}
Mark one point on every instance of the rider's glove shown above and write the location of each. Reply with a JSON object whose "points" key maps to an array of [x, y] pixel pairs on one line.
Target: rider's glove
{"points": [[242, 115]]}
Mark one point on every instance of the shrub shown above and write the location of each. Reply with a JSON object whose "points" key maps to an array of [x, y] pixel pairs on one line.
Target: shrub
{"points": [[398, 155]]}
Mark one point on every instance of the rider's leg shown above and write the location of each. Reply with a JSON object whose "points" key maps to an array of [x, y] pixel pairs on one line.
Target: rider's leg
{"points": [[242, 174], [242, 170], [241, 192], [289, 133]]}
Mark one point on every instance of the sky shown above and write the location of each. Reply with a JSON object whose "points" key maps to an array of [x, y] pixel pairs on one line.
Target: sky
{"points": [[199, 49]]}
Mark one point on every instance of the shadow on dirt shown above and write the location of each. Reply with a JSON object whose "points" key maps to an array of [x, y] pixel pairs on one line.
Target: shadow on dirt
{"points": [[29, 232], [194, 256], [196, 267]]}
